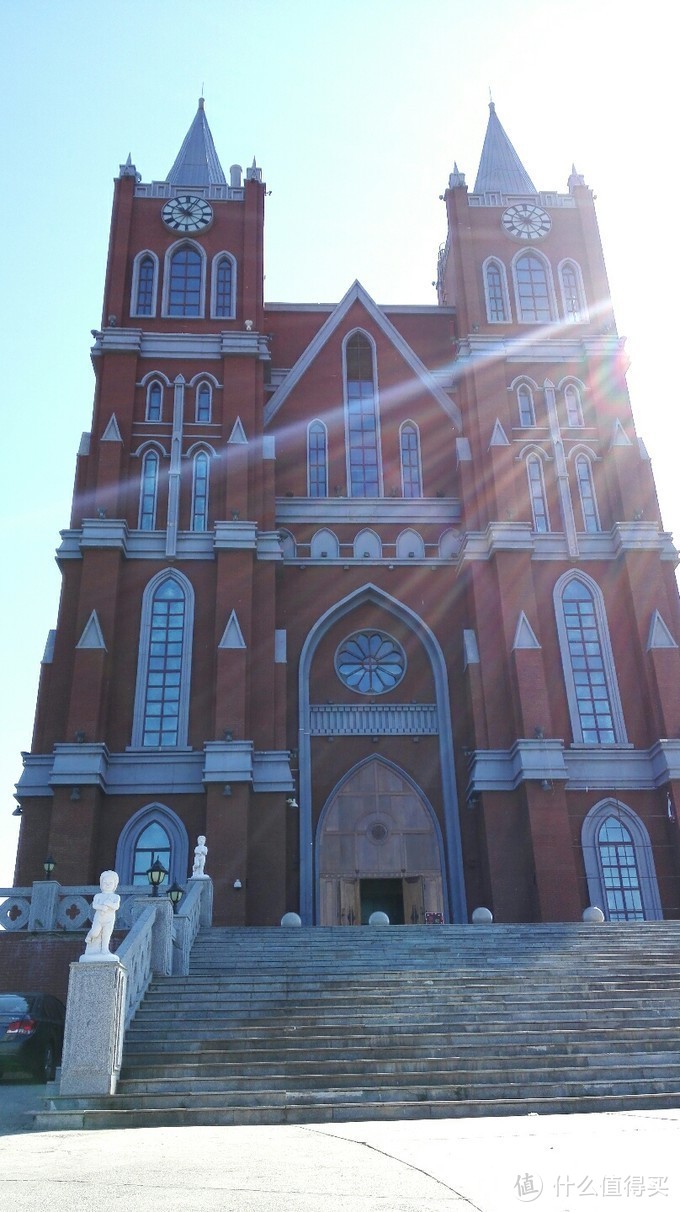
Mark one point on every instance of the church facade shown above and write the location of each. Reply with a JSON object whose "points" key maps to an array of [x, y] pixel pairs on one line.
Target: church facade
{"points": [[376, 598]]}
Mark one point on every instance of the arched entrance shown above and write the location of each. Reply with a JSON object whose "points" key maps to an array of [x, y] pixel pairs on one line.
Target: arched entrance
{"points": [[378, 848]]}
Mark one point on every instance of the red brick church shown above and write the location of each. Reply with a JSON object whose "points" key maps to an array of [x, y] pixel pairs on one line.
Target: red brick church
{"points": [[376, 598]]}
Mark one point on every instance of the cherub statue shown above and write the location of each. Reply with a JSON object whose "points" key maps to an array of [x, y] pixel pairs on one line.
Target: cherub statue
{"points": [[200, 853], [105, 904]]}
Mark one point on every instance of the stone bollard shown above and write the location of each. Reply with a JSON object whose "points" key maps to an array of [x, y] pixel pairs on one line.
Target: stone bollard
{"points": [[482, 917], [593, 914], [378, 919], [291, 919]]}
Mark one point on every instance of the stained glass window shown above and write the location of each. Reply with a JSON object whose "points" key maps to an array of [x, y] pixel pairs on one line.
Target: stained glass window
{"points": [[371, 662]]}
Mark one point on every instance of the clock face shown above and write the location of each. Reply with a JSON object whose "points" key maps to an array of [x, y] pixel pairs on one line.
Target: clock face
{"points": [[526, 221], [186, 212]]}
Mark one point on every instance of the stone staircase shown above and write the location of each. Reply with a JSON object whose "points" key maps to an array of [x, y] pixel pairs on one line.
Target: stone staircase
{"points": [[292, 1025]]}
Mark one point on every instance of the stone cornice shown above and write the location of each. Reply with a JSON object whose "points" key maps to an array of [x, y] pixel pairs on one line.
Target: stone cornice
{"points": [[538, 347], [160, 345], [154, 772], [579, 767]]}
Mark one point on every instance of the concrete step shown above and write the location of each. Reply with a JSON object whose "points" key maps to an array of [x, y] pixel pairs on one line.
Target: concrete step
{"points": [[384, 1079], [62, 1116], [322, 1025]]}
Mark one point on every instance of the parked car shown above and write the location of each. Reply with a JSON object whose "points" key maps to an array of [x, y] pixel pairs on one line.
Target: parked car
{"points": [[31, 1034]]}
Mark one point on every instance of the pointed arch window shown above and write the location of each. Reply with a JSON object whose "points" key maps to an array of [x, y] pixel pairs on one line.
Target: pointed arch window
{"points": [[573, 298], [199, 499], [153, 832], [185, 285], [539, 504], [525, 406], [620, 875], [154, 401], [153, 843], [162, 694], [534, 289], [223, 287], [317, 460], [411, 473], [619, 863], [496, 293], [574, 410], [144, 280], [586, 488], [588, 663], [148, 493], [203, 402], [363, 440]]}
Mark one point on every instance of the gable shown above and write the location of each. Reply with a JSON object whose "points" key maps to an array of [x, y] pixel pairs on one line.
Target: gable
{"points": [[334, 322]]}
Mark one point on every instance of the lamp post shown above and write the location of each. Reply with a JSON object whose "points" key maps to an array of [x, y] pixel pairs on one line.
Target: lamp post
{"points": [[175, 894], [49, 865], [155, 875]]}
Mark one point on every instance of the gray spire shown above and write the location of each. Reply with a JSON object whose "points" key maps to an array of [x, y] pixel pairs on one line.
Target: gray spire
{"points": [[197, 162], [500, 168]]}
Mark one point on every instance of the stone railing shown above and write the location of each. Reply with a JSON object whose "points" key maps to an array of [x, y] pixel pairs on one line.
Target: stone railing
{"points": [[103, 998], [195, 911], [47, 906]]}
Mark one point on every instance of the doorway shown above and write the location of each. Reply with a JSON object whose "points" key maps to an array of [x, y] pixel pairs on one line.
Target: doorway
{"points": [[382, 896], [378, 848]]}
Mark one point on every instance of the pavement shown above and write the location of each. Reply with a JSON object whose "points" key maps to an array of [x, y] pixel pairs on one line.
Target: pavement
{"points": [[551, 1163]]}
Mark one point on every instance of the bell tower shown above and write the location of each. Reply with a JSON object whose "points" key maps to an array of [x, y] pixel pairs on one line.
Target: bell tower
{"points": [[563, 559], [146, 733]]}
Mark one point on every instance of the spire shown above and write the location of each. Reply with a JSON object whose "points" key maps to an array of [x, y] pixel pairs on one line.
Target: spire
{"points": [[500, 168], [197, 162]]}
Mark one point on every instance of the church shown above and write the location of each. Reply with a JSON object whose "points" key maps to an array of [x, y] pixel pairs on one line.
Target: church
{"points": [[377, 599]]}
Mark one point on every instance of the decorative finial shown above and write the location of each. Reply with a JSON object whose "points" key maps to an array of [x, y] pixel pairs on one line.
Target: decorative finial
{"points": [[575, 179], [492, 107], [201, 101], [456, 178]]}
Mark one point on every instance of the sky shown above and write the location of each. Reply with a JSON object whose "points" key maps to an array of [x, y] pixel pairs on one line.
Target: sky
{"points": [[356, 111]]}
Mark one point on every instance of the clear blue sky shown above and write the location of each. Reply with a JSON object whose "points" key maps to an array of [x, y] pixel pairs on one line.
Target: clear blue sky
{"points": [[356, 111]]}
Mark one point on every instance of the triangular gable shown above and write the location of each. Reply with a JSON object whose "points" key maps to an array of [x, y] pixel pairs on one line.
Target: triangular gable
{"points": [[525, 636], [499, 436], [238, 435], [233, 636], [92, 634], [112, 432], [356, 293], [619, 436], [659, 635]]}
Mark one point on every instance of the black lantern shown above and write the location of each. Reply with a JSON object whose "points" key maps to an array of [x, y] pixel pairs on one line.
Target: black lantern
{"points": [[49, 865], [175, 894], [155, 875]]}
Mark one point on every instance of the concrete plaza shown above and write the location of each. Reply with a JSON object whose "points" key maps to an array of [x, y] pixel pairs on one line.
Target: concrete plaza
{"points": [[555, 1163]]}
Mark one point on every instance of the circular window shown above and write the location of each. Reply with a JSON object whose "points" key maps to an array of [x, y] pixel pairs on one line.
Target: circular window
{"points": [[378, 831], [370, 662]]}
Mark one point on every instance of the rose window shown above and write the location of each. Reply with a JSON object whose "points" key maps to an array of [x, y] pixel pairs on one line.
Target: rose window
{"points": [[370, 662]]}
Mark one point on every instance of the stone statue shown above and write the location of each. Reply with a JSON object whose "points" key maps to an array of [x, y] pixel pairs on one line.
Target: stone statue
{"points": [[200, 853], [105, 904]]}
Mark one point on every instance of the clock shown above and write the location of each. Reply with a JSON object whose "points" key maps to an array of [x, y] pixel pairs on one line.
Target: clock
{"points": [[525, 221], [186, 212]]}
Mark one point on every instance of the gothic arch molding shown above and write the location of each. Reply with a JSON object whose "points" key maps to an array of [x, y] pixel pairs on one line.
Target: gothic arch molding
{"points": [[644, 856], [370, 593], [132, 831], [421, 817]]}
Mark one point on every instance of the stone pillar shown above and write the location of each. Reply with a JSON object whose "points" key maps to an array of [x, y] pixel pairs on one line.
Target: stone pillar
{"points": [[161, 932], [95, 1024], [44, 903]]}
